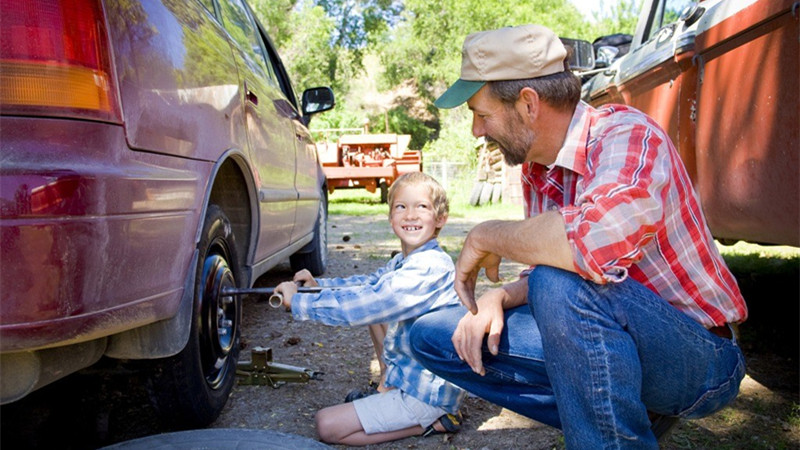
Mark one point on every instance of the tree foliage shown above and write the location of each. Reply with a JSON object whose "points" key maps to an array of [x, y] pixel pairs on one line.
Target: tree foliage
{"points": [[325, 42]]}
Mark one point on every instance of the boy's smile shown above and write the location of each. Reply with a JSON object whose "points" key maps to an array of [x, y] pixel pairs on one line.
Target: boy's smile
{"points": [[413, 218]]}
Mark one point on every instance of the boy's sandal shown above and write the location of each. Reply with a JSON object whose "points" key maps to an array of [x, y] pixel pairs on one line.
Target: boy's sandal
{"points": [[356, 394], [450, 422]]}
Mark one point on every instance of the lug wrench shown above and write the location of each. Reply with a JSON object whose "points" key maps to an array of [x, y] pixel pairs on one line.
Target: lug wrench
{"points": [[275, 298]]}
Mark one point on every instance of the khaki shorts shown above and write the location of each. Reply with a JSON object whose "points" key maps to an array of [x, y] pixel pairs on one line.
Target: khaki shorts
{"points": [[394, 410]]}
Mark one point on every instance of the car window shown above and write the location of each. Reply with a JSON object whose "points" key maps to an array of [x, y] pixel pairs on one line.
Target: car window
{"points": [[240, 26], [209, 4], [667, 12], [274, 60]]}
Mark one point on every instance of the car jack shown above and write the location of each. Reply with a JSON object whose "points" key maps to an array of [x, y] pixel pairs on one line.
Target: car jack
{"points": [[261, 370]]}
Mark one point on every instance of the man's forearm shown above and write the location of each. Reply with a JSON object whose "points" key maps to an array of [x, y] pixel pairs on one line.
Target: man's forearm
{"points": [[540, 240]]}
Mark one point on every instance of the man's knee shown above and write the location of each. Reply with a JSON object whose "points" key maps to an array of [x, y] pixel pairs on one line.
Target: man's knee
{"points": [[432, 333], [551, 285]]}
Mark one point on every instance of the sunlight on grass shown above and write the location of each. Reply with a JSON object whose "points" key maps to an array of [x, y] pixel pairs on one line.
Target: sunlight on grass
{"points": [[764, 251], [360, 202], [744, 257]]}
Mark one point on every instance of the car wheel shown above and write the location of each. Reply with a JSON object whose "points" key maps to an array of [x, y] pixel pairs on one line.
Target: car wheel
{"points": [[191, 388], [314, 256]]}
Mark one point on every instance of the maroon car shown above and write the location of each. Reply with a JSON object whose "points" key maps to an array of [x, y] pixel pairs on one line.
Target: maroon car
{"points": [[152, 153]]}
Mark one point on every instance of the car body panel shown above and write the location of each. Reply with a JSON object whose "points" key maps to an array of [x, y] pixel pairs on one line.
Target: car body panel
{"points": [[100, 220], [78, 234], [725, 88]]}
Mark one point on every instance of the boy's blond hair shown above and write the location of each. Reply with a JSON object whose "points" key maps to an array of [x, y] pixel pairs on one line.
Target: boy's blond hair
{"points": [[441, 207]]}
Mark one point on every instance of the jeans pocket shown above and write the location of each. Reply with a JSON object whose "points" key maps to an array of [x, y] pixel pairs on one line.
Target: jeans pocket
{"points": [[719, 396]]}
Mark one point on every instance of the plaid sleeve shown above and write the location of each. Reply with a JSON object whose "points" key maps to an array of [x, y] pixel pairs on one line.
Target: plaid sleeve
{"points": [[620, 208], [410, 290]]}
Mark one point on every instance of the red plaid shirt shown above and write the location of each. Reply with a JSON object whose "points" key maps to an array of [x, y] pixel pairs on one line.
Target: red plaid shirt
{"points": [[630, 210]]}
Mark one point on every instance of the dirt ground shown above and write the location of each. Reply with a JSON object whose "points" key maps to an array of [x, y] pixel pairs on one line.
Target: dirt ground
{"points": [[765, 415], [107, 404]]}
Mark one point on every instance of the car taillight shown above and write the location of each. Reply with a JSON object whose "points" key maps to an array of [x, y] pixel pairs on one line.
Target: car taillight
{"points": [[55, 60]]}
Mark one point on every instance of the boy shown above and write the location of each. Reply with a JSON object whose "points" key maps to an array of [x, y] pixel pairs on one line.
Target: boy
{"points": [[410, 399]]}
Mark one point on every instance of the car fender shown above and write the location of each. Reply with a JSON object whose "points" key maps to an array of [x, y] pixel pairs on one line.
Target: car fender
{"points": [[168, 337]]}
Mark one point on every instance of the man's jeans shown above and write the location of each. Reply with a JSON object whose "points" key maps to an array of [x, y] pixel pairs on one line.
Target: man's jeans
{"points": [[592, 359]]}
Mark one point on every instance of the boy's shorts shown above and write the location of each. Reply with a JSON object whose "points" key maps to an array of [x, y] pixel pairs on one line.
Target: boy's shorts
{"points": [[394, 410]]}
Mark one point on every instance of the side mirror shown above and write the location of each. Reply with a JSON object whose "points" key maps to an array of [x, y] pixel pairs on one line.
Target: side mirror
{"points": [[606, 55], [317, 100], [580, 54]]}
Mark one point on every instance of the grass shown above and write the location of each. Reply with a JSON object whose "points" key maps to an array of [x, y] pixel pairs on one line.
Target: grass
{"points": [[360, 202]]}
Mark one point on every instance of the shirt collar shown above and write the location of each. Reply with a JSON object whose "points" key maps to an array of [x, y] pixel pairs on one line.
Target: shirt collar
{"points": [[572, 155], [431, 244]]}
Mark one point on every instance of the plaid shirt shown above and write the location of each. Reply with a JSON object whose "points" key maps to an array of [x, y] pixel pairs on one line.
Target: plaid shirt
{"points": [[399, 292], [630, 210]]}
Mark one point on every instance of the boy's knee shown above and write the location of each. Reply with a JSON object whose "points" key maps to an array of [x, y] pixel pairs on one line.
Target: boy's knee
{"points": [[325, 427]]}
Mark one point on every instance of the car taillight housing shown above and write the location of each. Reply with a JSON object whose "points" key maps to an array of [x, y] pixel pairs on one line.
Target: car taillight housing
{"points": [[55, 60]]}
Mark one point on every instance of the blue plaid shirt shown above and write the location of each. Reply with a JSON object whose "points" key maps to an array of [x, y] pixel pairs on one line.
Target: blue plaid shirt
{"points": [[396, 294]]}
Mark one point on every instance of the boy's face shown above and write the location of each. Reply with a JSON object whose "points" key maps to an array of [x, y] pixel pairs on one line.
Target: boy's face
{"points": [[413, 218]]}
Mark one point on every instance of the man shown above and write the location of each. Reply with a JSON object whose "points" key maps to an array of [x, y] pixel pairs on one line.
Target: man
{"points": [[628, 309]]}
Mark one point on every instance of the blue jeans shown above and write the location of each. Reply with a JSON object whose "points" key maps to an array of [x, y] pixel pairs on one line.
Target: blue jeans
{"points": [[592, 360]]}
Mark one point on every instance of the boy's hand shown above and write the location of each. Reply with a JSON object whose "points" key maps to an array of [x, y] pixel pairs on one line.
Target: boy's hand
{"points": [[304, 278], [287, 289]]}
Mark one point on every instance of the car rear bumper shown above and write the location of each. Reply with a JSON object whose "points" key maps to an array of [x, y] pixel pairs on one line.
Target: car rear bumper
{"points": [[96, 238]]}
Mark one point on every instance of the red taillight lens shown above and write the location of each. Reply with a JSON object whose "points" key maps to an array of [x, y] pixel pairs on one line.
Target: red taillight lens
{"points": [[55, 59]]}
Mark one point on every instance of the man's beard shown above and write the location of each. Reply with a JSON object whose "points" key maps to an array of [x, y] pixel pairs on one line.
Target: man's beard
{"points": [[514, 144]]}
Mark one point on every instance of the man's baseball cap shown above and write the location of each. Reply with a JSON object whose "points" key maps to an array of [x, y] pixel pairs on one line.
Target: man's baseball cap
{"points": [[512, 53]]}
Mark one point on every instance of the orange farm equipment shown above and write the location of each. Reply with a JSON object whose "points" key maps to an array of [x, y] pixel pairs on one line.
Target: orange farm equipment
{"points": [[369, 161]]}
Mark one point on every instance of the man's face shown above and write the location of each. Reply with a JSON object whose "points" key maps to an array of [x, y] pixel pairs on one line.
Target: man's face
{"points": [[502, 124]]}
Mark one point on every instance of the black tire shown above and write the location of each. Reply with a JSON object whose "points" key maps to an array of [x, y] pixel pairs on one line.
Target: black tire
{"points": [[314, 256], [384, 191], [486, 194], [475, 195], [190, 389], [220, 438]]}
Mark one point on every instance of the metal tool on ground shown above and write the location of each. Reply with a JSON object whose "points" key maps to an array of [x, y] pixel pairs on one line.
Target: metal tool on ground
{"points": [[262, 371]]}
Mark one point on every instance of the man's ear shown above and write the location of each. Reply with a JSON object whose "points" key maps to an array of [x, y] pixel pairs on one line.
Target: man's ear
{"points": [[528, 103]]}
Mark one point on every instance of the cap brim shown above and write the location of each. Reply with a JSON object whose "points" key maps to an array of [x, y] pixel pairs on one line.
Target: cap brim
{"points": [[459, 92]]}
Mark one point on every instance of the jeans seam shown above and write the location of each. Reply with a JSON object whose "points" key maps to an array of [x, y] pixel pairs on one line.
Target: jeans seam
{"points": [[504, 376]]}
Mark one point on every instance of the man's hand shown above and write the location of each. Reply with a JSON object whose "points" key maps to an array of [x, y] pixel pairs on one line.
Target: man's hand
{"points": [[304, 278], [470, 262], [489, 319]]}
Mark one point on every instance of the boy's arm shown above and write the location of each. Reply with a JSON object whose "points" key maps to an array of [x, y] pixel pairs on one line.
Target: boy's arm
{"points": [[411, 290]]}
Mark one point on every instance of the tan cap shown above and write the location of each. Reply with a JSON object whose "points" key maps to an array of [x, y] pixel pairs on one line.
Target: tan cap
{"points": [[512, 53]]}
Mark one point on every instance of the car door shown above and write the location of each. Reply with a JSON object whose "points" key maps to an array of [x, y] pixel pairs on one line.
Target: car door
{"points": [[657, 77], [270, 131], [307, 168]]}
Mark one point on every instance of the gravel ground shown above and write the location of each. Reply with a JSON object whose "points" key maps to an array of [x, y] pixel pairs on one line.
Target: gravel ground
{"points": [[361, 244], [101, 407]]}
